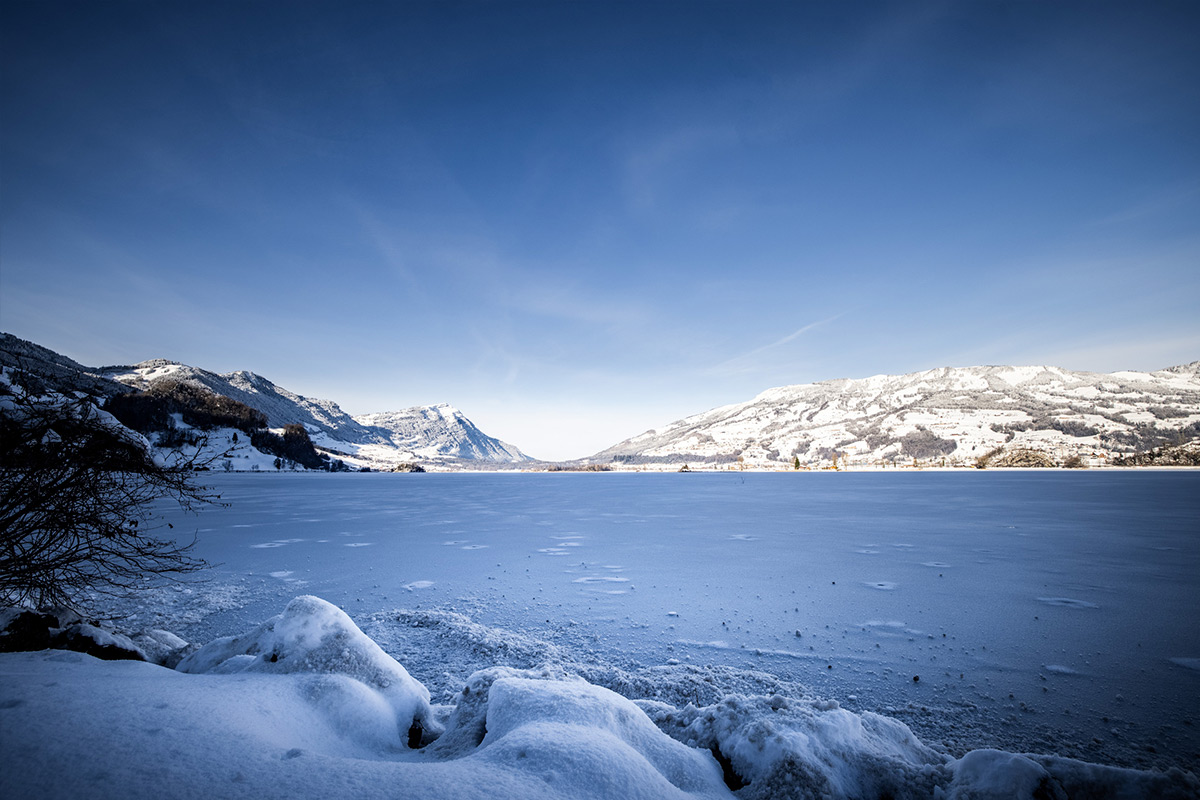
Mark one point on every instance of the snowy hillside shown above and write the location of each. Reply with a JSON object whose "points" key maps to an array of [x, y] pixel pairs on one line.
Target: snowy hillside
{"points": [[57, 372], [439, 431], [948, 415], [281, 406], [439, 434]]}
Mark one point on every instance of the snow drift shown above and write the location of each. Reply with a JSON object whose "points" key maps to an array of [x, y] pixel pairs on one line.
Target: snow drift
{"points": [[306, 705], [362, 689]]}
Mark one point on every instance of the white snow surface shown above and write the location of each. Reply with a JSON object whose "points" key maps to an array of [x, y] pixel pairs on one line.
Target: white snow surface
{"points": [[314, 637], [324, 719]]}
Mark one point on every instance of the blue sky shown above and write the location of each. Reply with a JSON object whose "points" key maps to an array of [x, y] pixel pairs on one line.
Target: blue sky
{"points": [[576, 221]]}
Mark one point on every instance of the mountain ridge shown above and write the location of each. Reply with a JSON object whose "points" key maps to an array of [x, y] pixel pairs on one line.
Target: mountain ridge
{"points": [[439, 434], [281, 406], [954, 415], [450, 432], [419, 432]]}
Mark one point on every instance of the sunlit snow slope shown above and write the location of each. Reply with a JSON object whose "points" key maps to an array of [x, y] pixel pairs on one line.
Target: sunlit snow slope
{"points": [[951, 415], [423, 432], [440, 430], [281, 406]]}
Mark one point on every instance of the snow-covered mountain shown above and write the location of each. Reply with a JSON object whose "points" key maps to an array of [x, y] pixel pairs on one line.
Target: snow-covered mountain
{"points": [[436, 434], [955, 415], [281, 406], [439, 431], [55, 372]]}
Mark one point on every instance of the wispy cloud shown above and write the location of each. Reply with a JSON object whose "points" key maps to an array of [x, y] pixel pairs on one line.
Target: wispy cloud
{"points": [[650, 169], [1166, 202], [390, 244], [750, 361], [568, 301]]}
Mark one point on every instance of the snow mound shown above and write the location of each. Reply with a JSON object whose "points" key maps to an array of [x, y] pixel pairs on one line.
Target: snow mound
{"points": [[777, 747], [353, 681], [780, 747], [573, 733], [573, 737], [995, 775], [161, 647]]}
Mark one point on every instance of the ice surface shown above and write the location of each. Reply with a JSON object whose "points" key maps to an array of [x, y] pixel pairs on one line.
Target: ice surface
{"points": [[994, 575]]}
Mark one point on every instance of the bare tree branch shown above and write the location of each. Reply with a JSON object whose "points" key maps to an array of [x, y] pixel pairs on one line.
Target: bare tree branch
{"points": [[79, 495]]}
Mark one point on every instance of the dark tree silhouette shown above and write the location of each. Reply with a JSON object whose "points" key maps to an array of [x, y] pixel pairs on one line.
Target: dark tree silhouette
{"points": [[151, 410], [78, 501], [294, 445]]}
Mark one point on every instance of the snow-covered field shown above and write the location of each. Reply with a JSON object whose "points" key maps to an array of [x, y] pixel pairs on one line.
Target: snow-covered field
{"points": [[787, 622]]}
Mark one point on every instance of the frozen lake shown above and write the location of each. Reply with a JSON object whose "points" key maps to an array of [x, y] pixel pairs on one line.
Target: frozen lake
{"points": [[1041, 611]]}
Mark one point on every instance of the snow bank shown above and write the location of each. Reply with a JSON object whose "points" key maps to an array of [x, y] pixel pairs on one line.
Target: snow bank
{"points": [[365, 690], [306, 705], [776, 747]]}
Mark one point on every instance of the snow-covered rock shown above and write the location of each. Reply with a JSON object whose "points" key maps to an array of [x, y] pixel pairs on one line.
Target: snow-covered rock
{"points": [[98, 642], [23, 630]]}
